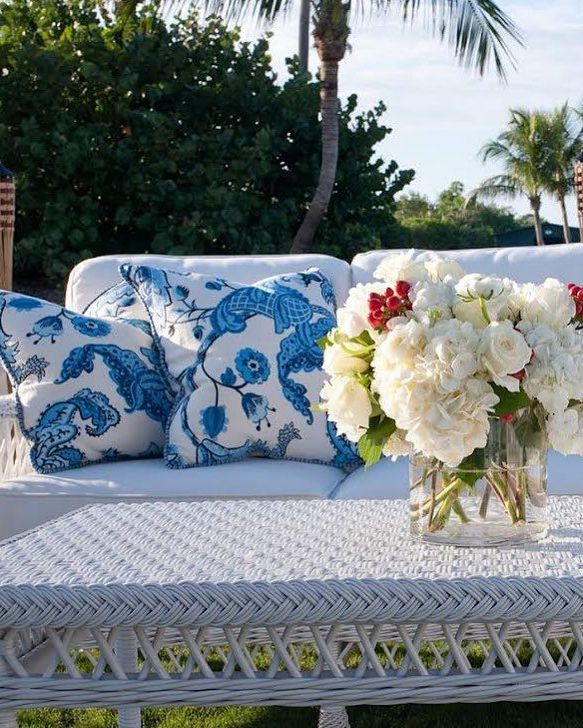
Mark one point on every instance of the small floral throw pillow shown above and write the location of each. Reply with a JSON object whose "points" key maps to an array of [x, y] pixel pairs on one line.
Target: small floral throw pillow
{"points": [[248, 364], [88, 389]]}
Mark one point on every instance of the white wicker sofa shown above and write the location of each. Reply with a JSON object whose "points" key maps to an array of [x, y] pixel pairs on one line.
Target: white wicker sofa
{"points": [[27, 499]]}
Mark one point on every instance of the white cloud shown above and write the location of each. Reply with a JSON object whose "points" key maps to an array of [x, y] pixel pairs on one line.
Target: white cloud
{"points": [[442, 114]]}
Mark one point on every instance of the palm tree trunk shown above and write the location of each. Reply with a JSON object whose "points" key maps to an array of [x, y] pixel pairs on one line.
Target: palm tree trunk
{"points": [[329, 162], [538, 228], [566, 229], [304, 36]]}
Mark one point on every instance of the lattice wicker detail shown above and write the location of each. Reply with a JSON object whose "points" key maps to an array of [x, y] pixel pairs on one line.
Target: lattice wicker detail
{"points": [[14, 449], [333, 664]]}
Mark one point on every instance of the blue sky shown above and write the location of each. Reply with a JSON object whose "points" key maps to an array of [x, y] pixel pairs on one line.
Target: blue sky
{"points": [[440, 113]]}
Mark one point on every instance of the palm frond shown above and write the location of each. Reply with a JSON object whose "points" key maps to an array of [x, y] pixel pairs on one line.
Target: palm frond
{"points": [[479, 31], [233, 10], [499, 185]]}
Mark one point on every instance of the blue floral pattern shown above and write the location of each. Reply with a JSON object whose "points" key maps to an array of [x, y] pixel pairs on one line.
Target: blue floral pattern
{"points": [[252, 365], [247, 362], [105, 398]]}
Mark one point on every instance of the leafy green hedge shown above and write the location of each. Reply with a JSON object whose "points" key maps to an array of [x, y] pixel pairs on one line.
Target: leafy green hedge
{"points": [[135, 135]]}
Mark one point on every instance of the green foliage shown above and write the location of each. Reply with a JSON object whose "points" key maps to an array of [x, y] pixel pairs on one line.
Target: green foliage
{"points": [[130, 135], [450, 222], [510, 402], [370, 445]]}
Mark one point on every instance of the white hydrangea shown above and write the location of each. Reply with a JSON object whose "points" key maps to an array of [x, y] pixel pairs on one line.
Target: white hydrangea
{"points": [[455, 425], [554, 375], [400, 345], [452, 353], [397, 445], [443, 269], [348, 405], [445, 425], [425, 380], [549, 303], [414, 267], [476, 293], [353, 316], [433, 301], [407, 266], [565, 431]]}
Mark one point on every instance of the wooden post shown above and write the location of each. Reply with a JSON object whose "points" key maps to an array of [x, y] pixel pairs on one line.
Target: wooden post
{"points": [[579, 192], [7, 215]]}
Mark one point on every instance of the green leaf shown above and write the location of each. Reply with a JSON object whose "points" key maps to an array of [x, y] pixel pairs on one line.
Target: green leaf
{"points": [[370, 445], [324, 342], [510, 402], [472, 468]]}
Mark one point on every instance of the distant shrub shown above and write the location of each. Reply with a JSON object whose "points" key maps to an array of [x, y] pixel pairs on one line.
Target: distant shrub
{"points": [[135, 135]]}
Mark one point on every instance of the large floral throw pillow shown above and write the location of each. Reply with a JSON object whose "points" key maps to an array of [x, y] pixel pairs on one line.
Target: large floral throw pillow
{"points": [[248, 363], [88, 389]]}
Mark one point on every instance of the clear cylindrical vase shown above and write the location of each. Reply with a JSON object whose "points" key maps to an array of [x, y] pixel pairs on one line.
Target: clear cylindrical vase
{"points": [[496, 497]]}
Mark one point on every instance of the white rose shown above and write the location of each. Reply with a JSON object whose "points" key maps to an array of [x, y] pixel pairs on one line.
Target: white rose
{"points": [[477, 293], [352, 318], [407, 266], [549, 303], [504, 351], [340, 358], [348, 405]]}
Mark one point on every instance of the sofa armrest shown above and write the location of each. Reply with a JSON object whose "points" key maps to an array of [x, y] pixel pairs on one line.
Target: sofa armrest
{"points": [[14, 449]]}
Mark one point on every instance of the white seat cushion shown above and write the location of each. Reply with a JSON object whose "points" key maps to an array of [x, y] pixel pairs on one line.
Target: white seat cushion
{"points": [[32, 499], [91, 277], [388, 479], [527, 264]]}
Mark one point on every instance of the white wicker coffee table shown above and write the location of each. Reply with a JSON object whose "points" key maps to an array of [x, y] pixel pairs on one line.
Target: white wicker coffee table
{"points": [[282, 603]]}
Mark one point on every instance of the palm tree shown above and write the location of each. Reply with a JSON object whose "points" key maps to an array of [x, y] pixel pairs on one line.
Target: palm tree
{"points": [[563, 137], [478, 31], [521, 149]]}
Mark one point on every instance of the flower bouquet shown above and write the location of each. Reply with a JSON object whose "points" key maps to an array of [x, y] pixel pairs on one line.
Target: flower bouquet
{"points": [[470, 375]]}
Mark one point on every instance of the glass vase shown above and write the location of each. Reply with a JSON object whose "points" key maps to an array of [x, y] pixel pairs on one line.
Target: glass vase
{"points": [[499, 498]]}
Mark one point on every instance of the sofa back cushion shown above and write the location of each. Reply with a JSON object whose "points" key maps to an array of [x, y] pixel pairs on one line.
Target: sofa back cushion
{"points": [[91, 278], [524, 264]]}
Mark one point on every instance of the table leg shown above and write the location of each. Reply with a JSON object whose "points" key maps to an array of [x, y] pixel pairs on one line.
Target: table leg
{"points": [[7, 717], [333, 717], [126, 648]]}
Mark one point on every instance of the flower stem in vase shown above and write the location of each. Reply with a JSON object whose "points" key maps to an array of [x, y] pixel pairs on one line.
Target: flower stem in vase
{"points": [[501, 489], [435, 499], [458, 509], [449, 500], [483, 511]]}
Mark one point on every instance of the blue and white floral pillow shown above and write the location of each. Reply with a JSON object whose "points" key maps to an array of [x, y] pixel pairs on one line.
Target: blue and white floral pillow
{"points": [[88, 389], [248, 363], [119, 301]]}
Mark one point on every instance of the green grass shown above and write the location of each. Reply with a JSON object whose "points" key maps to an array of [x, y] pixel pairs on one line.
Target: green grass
{"points": [[494, 715]]}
